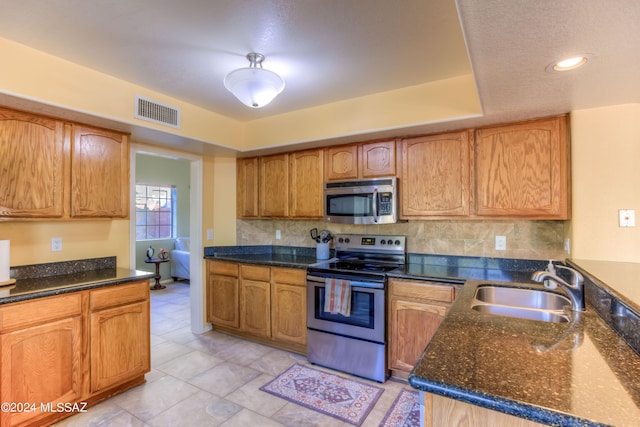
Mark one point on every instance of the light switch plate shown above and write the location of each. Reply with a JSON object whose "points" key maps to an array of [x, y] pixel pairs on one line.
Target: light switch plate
{"points": [[627, 218]]}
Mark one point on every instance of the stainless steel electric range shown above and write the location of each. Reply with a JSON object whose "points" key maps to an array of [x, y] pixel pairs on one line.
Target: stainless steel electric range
{"points": [[354, 343]]}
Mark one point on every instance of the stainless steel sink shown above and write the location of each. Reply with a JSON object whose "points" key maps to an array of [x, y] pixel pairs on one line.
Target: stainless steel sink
{"points": [[532, 304]]}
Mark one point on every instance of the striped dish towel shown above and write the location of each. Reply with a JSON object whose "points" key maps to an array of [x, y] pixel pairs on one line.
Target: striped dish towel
{"points": [[337, 297]]}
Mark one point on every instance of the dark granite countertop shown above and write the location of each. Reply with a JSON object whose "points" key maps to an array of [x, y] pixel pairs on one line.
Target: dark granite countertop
{"points": [[37, 287], [277, 256], [576, 373], [457, 274]]}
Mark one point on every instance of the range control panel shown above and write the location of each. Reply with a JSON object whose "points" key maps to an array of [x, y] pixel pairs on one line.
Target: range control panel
{"points": [[367, 242]]}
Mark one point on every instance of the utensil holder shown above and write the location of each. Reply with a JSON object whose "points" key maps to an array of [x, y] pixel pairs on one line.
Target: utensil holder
{"points": [[322, 250]]}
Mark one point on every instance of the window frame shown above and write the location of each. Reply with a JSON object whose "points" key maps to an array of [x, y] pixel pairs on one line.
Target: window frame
{"points": [[170, 203]]}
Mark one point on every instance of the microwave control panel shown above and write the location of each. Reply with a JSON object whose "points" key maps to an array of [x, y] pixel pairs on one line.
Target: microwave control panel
{"points": [[385, 206]]}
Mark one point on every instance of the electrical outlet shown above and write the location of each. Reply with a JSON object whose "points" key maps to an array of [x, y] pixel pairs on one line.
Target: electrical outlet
{"points": [[209, 234], [627, 218], [56, 244], [278, 235], [567, 245], [501, 243]]}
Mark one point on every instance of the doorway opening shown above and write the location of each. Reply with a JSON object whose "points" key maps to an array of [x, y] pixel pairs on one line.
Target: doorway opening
{"points": [[196, 287]]}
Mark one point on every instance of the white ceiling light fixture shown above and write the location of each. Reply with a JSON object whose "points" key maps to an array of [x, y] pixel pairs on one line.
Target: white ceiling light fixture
{"points": [[254, 86], [568, 64]]}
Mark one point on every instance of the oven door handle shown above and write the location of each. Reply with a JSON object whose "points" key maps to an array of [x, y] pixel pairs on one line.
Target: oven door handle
{"points": [[365, 285], [320, 281]]}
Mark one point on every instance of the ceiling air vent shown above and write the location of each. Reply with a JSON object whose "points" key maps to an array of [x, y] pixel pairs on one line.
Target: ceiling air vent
{"points": [[152, 111]]}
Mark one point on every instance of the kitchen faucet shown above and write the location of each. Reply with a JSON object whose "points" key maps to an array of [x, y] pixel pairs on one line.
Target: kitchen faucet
{"points": [[575, 290]]}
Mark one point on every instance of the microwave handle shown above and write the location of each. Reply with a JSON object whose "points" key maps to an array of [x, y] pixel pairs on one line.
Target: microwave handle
{"points": [[375, 205]]}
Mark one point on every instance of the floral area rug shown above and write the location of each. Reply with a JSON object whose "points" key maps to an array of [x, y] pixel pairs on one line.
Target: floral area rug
{"points": [[405, 411], [341, 398]]}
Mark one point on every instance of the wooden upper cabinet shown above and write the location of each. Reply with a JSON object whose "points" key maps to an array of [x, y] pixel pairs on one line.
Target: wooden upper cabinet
{"points": [[274, 186], [522, 170], [34, 165], [99, 173], [281, 186], [341, 162], [436, 176], [248, 188], [305, 184], [365, 160], [377, 159]]}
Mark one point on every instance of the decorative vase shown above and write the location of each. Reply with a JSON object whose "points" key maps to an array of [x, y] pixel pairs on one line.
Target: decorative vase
{"points": [[150, 252]]}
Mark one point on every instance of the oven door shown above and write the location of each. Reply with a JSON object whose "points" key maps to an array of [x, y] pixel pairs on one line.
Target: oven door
{"points": [[366, 321]]}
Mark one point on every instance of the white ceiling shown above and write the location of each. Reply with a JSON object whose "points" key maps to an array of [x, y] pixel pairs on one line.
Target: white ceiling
{"points": [[328, 50]]}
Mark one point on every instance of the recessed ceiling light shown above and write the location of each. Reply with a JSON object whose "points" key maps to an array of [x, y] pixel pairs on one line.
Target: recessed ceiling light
{"points": [[568, 63]]}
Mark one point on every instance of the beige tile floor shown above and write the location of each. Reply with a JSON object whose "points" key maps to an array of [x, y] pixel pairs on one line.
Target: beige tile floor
{"points": [[211, 379]]}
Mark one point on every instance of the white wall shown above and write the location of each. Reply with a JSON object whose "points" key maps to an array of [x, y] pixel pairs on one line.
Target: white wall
{"points": [[606, 177]]}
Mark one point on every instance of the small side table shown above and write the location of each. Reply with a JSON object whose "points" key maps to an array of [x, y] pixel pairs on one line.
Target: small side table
{"points": [[157, 262]]}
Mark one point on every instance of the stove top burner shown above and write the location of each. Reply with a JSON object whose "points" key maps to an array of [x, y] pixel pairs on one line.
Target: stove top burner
{"points": [[364, 256], [362, 266]]}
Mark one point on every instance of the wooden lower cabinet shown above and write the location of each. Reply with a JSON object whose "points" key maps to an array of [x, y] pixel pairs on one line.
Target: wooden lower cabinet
{"points": [[443, 411], [265, 304], [223, 296], [41, 365], [120, 335], [255, 300], [57, 351], [416, 310], [289, 306]]}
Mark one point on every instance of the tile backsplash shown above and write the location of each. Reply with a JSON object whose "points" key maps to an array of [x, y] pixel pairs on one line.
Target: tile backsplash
{"points": [[525, 239]]}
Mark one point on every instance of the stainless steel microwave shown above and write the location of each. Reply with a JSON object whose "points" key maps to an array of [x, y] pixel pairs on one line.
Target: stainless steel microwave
{"points": [[364, 201]]}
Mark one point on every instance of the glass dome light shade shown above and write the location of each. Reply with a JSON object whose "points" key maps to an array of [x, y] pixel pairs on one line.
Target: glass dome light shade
{"points": [[254, 87]]}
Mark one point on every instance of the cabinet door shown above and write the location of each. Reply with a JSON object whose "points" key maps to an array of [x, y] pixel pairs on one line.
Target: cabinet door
{"points": [[377, 159], [288, 313], [248, 187], [435, 176], [341, 162], [305, 184], [99, 173], [412, 325], [120, 348], [255, 307], [34, 164], [274, 186], [41, 364], [522, 170], [224, 301]]}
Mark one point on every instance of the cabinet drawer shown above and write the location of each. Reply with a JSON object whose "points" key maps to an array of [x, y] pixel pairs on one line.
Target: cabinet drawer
{"points": [[118, 295], [293, 276], [423, 291], [223, 268], [23, 314], [255, 272]]}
